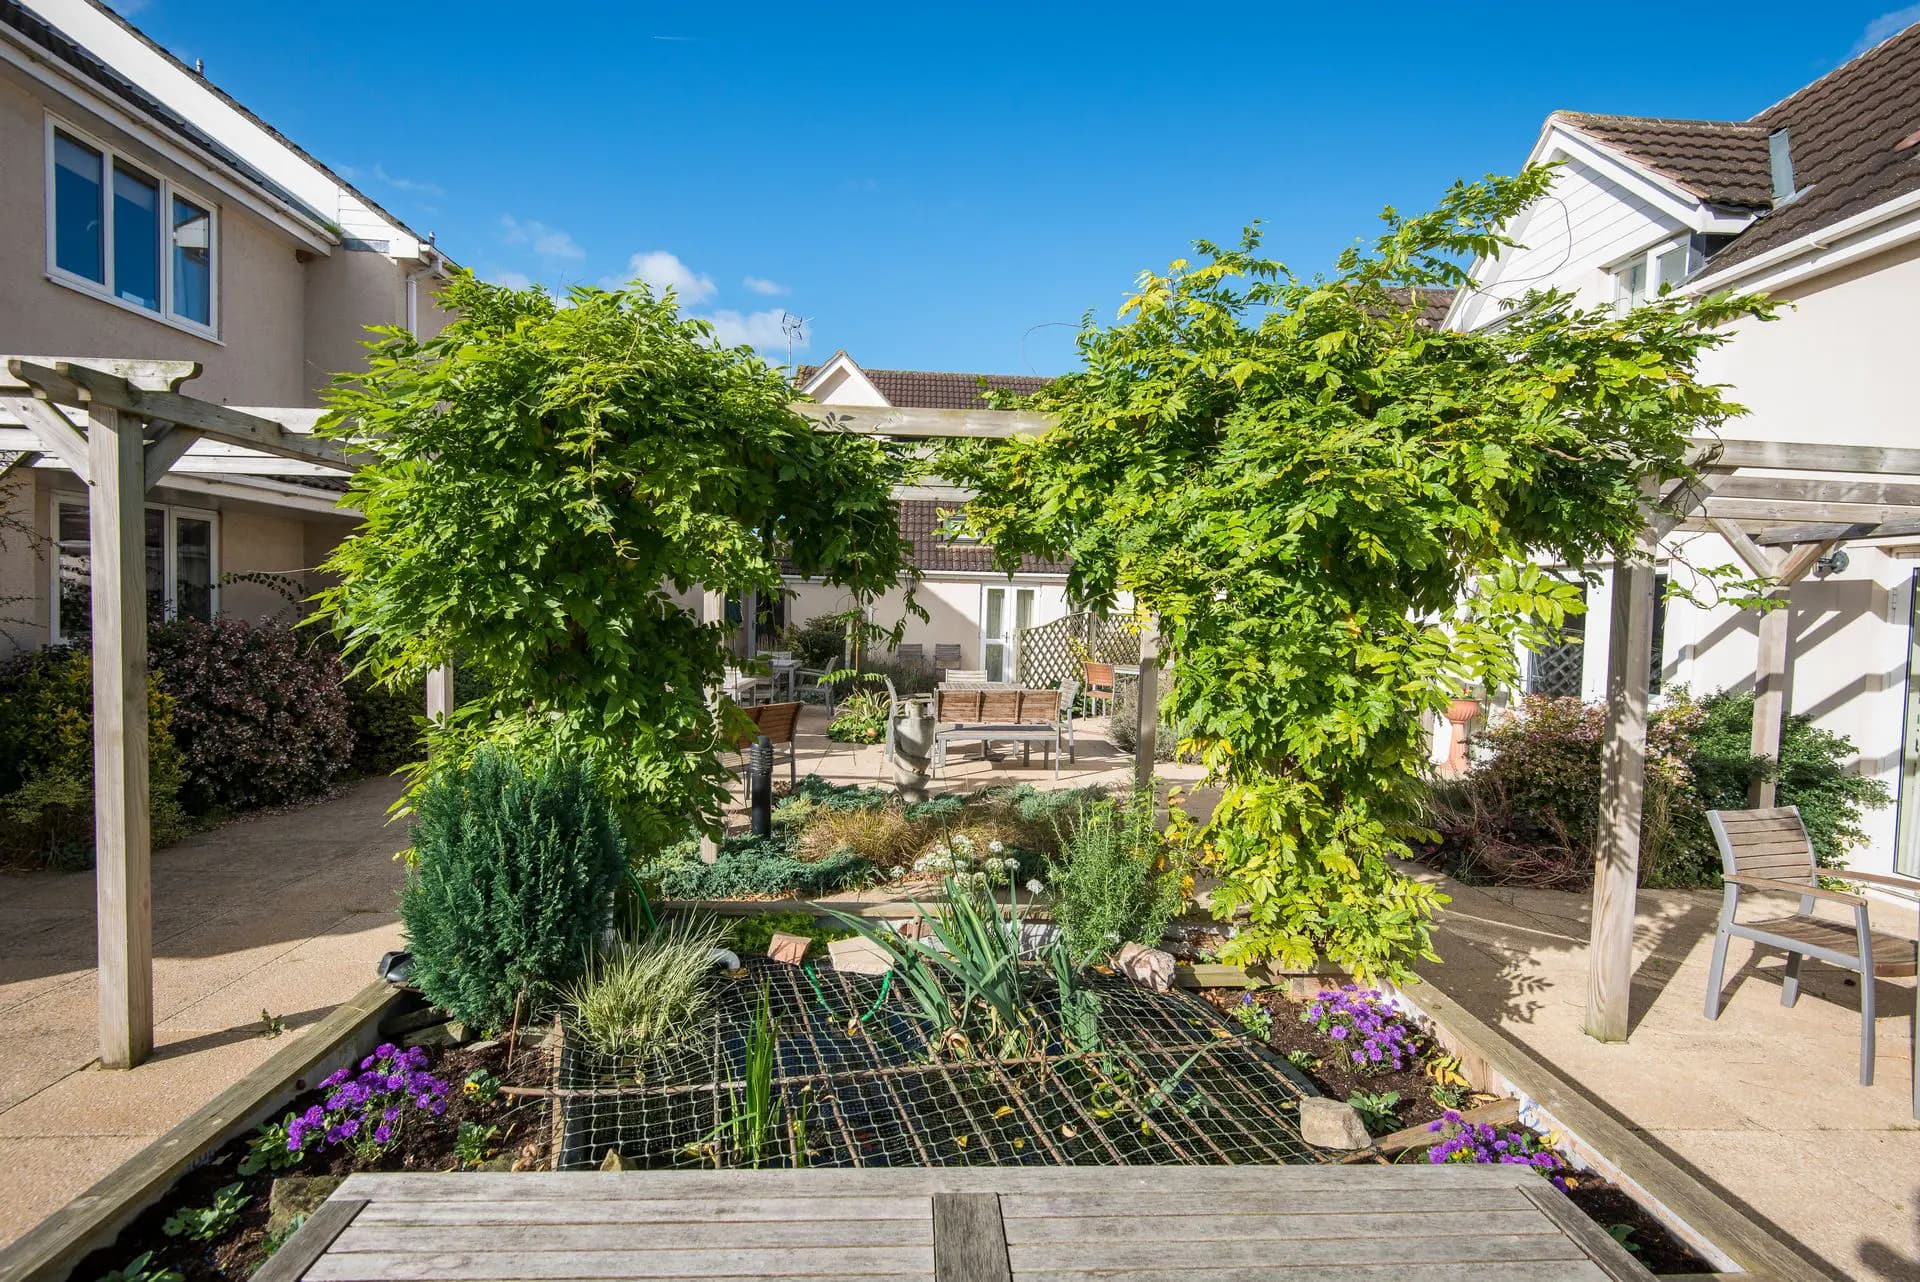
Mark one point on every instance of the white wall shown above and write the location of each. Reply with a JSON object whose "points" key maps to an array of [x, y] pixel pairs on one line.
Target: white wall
{"points": [[953, 606], [1569, 241]]}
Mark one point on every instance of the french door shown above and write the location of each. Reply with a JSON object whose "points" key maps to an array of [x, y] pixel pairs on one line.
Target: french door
{"points": [[1906, 840], [1005, 613]]}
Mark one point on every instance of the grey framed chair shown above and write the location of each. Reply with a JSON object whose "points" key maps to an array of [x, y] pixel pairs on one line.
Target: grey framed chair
{"points": [[817, 679], [1069, 697], [1768, 850]]}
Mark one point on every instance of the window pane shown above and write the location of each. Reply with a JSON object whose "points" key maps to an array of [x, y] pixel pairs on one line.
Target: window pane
{"points": [[192, 262], [996, 612], [156, 561], [193, 568], [78, 228], [76, 598], [136, 238], [1672, 266], [1631, 281], [995, 661]]}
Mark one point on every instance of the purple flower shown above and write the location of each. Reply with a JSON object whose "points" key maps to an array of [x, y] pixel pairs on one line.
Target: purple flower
{"points": [[1338, 1032], [382, 1133]]}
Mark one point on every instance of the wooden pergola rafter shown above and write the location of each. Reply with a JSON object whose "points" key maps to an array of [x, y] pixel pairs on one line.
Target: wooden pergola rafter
{"points": [[120, 425]]}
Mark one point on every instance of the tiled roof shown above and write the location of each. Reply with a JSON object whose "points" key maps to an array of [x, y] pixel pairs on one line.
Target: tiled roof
{"points": [[1855, 140], [921, 525], [1434, 304], [1723, 162], [920, 389], [1854, 145]]}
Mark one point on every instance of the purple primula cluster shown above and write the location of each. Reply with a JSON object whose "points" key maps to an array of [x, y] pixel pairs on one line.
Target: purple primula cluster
{"points": [[1367, 1027], [1490, 1145], [366, 1109]]}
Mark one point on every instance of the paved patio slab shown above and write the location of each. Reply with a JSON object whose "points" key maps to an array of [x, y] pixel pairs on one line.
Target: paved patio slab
{"points": [[1762, 1105], [286, 913]]}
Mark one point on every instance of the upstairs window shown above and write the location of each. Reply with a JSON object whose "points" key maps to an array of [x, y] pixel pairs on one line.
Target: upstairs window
{"points": [[1647, 275], [117, 231]]}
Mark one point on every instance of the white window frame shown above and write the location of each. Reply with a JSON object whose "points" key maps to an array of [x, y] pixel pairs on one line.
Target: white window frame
{"points": [[1009, 620], [103, 290], [170, 557], [1649, 259]]}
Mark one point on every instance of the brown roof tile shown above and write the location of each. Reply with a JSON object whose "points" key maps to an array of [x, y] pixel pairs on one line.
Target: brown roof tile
{"points": [[1723, 162], [1847, 131], [921, 524], [933, 390]]}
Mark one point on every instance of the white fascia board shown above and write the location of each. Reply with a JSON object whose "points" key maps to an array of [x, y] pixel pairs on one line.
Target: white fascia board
{"points": [[235, 186], [841, 362], [1888, 225]]}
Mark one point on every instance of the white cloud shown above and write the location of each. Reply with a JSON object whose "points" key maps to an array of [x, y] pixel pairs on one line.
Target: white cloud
{"points": [[512, 280], [665, 271], [755, 329], [548, 242], [761, 285], [1887, 24]]}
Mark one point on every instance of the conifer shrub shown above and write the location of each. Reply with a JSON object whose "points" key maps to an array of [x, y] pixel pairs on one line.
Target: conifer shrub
{"points": [[514, 874]]}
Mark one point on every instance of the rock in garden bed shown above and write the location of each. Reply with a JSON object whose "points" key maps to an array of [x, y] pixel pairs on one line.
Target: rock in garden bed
{"points": [[236, 1245]]}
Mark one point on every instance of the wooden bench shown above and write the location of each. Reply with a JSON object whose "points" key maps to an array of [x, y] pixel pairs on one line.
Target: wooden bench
{"points": [[994, 714]]}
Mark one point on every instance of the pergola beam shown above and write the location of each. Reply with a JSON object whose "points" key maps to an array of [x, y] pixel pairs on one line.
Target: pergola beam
{"points": [[1838, 531], [52, 429], [883, 420]]}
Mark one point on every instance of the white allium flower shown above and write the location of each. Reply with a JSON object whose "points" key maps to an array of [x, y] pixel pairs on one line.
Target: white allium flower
{"points": [[1034, 887], [995, 847]]}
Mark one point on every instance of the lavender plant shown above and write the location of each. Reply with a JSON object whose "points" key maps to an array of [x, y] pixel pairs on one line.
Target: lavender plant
{"points": [[367, 1110], [1495, 1145], [1370, 1031]]}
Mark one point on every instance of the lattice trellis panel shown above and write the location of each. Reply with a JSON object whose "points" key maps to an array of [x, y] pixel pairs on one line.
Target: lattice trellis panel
{"points": [[1555, 671], [1052, 652]]}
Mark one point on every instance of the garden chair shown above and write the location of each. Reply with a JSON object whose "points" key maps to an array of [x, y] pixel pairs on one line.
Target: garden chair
{"points": [[1069, 700], [777, 722], [966, 676], [912, 653], [1099, 679], [1764, 850], [817, 679], [945, 655]]}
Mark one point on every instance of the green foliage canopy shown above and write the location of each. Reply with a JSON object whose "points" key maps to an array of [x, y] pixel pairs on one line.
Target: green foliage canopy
{"points": [[542, 480], [1333, 511]]}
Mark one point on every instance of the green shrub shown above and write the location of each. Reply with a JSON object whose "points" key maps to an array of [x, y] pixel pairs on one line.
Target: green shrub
{"points": [[1125, 722], [513, 882], [1809, 773], [750, 867], [260, 712], [818, 641], [753, 933], [649, 996], [1115, 881], [838, 796], [46, 761], [860, 718], [1527, 814], [386, 725]]}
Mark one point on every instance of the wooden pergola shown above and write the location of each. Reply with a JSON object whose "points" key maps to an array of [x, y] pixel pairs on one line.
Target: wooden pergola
{"points": [[120, 425]]}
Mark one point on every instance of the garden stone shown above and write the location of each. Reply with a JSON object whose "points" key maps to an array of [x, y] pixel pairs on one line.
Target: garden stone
{"points": [[859, 956], [432, 1037], [791, 949], [1148, 967], [297, 1195], [1328, 1123], [613, 1161]]}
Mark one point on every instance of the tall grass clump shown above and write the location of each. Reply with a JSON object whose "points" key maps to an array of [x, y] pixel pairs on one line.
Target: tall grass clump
{"points": [[1116, 880], [646, 997], [514, 871]]}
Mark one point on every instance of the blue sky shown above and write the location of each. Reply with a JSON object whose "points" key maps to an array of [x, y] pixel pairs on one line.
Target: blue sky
{"points": [[952, 186]]}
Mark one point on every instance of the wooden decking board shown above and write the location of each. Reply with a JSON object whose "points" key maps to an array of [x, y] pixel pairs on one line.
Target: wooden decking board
{"points": [[982, 1224], [1248, 1227]]}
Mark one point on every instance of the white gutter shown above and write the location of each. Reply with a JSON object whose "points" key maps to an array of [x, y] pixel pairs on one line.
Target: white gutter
{"points": [[1820, 251]]}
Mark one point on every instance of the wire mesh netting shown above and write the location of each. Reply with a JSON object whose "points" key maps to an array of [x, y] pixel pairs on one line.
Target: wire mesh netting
{"points": [[855, 1082]]}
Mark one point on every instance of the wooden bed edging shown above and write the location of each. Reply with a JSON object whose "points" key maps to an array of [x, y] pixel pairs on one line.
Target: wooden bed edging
{"points": [[49, 1251]]}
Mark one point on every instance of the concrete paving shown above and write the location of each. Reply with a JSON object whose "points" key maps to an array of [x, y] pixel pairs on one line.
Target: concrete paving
{"points": [[1763, 1104], [286, 913]]}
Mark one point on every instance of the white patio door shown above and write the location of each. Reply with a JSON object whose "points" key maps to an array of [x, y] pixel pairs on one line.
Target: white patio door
{"points": [[1004, 614]]}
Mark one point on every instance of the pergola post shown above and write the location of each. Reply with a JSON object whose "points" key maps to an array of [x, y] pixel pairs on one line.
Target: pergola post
{"points": [[440, 693], [1147, 714], [116, 459], [1623, 762]]}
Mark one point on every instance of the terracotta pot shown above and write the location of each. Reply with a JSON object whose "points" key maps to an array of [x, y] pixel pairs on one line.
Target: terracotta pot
{"points": [[1461, 713]]}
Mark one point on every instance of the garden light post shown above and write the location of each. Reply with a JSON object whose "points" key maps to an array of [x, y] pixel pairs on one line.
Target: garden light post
{"points": [[760, 785]]}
